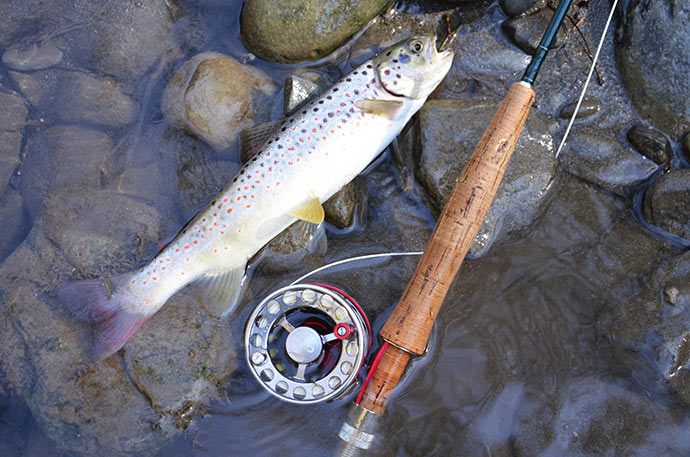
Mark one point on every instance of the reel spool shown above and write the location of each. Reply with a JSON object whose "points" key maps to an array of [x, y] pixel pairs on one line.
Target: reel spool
{"points": [[306, 343]]}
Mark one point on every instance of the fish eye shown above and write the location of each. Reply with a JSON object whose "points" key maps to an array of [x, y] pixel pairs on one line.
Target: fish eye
{"points": [[416, 46]]}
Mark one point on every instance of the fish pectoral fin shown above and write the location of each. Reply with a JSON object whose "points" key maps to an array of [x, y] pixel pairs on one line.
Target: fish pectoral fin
{"points": [[311, 211], [253, 138], [387, 108], [219, 293]]}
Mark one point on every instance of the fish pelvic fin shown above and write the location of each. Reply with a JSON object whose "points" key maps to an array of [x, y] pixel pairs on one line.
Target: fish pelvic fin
{"points": [[219, 293], [311, 211], [100, 302], [385, 108]]}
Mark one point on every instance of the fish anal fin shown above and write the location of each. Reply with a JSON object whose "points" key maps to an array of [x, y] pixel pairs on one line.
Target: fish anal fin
{"points": [[220, 292], [311, 211], [386, 108], [253, 138]]}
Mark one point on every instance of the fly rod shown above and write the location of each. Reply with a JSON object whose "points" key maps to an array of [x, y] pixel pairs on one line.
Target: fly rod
{"points": [[406, 332]]}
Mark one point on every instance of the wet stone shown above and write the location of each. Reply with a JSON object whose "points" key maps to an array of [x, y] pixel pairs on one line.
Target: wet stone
{"points": [[686, 146], [32, 56], [649, 330], [667, 203], [215, 97], [293, 247], [445, 148], [300, 89], [13, 221], [347, 205], [294, 30], [516, 7], [654, 64], [76, 97], [597, 156], [588, 108], [650, 143], [62, 158], [12, 121], [526, 31], [593, 417]]}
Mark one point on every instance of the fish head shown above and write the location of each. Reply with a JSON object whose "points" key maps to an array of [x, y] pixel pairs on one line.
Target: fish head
{"points": [[413, 67]]}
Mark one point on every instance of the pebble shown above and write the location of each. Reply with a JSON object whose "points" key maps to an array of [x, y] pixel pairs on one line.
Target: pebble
{"points": [[588, 108], [667, 203], [34, 56], [526, 31], [651, 143]]}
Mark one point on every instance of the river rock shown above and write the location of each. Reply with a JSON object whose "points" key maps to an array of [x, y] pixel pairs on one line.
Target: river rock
{"points": [[654, 64], [300, 89], [686, 146], [445, 148], [32, 56], [598, 156], [294, 30], [296, 245], [588, 108], [347, 205], [77, 97], [12, 122], [667, 203], [650, 143], [526, 31], [13, 221], [122, 39], [59, 158], [591, 416], [649, 330], [516, 7], [215, 97]]}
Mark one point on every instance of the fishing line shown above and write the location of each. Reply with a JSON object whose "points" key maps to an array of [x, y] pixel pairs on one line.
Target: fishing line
{"points": [[355, 259], [589, 77]]}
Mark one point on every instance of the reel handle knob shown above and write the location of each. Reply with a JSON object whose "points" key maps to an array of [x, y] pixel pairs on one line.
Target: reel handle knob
{"points": [[343, 331]]}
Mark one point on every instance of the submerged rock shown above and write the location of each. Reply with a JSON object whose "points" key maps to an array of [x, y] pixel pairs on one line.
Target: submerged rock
{"points": [[649, 331], [13, 221], [650, 143], [516, 7], [33, 56], [62, 158], [215, 97], [294, 30], [588, 108], [293, 247], [597, 156], [12, 122], [654, 63], [347, 205], [526, 31], [449, 130], [299, 89], [667, 203], [76, 97]]}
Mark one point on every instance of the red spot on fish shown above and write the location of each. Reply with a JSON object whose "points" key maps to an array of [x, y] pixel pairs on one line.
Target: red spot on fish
{"points": [[239, 189], [332, 131], [268, 154], [302, 140], [294, 128], [187, 259], [313, 130], [154, 278], [226, 199], [342, 104], [154, 271], [216, 224], [239, 198], [142, 270], [215, 251], [249, 206], [210, 229], [196, 242], [144, 282], [309, 152], [182, 272], [308, 138], [323, 137], [258, 182], [291, 149], [215, 214], [176, 250], [289, 163], [203, 220], [278, 183], [226, 248], [287, 140], [167, 260], [133, 281], [163, 268], [339, 111], [186, 247], [270, 168], [196, 228], [303, 122], [229, 210], [347, 95]]}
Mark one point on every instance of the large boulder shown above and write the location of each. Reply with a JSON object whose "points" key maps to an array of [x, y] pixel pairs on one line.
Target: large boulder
{"points": [[654, 63], [295, 30]]}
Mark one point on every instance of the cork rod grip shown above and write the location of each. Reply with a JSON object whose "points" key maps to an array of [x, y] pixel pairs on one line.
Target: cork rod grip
{"points": [[410, 324]]}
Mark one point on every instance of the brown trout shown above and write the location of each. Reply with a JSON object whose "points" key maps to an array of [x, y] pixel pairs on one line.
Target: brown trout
{"points": [[299, 162]]}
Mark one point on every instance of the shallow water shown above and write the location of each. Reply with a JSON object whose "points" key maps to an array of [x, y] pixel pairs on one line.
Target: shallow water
{"points": [[515, 366]]}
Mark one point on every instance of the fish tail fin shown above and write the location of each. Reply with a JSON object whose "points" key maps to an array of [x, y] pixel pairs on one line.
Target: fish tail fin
{"points": [[102, 303]]}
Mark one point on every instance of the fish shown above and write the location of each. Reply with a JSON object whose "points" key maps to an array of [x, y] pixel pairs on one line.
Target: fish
{"points": [[292, 166]]}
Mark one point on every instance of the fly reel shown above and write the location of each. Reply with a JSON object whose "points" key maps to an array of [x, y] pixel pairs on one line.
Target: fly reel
{"points": [[306, 343]]}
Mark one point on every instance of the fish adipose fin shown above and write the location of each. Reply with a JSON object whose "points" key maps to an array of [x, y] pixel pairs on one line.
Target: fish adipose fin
{"points": [[253, 138], [386, 108], [312, 211], [219, 293], [100, 303]]}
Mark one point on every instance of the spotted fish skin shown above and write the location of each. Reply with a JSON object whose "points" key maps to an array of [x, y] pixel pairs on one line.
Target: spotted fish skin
{"points": [[307, 158]]}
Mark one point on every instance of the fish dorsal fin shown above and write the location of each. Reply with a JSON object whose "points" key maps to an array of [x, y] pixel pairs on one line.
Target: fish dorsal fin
{"points": [[311, 211], [253, 138], [386, 108], [220, 292]]}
